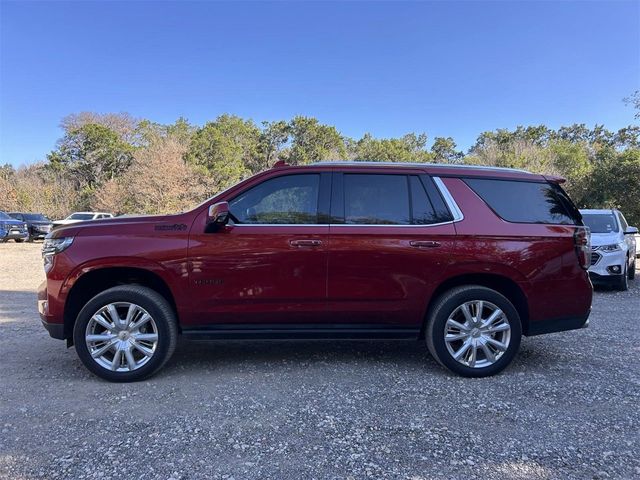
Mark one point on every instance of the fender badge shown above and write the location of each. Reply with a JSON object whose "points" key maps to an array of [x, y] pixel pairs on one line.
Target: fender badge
{"points": [[175, 227]]}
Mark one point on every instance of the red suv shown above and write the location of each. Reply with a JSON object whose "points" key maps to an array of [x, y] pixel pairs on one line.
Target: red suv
{"points": [[468, 259]]}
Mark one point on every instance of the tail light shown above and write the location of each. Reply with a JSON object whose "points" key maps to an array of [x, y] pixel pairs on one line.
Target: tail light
{"points": [[582, 241]]}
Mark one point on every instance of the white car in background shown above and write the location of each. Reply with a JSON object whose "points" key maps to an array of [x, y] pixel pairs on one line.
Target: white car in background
{"points": [[613, 247], [81, 217]]}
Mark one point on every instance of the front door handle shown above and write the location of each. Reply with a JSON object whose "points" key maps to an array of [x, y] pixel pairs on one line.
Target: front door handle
{"points": [[424, 243], [305, 243]]}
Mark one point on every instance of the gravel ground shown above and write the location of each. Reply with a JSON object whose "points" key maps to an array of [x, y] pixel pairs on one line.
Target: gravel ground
{"points": [[566, 408]]}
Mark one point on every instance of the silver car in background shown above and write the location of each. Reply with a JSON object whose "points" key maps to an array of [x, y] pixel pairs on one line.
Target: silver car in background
{"points": [[613, 247]]}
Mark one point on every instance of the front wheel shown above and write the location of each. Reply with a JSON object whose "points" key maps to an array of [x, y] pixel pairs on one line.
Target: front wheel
{"points": [[622, 281], [632, 270], [126, 333], [473, 331]]}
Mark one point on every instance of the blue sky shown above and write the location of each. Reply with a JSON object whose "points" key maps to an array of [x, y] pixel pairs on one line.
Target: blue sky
{"points": [[444, 68]]}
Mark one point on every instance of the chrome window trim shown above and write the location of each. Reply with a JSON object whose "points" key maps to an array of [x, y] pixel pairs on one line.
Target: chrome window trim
{"points": [[446, 195], [449, 200], [336, 225]]}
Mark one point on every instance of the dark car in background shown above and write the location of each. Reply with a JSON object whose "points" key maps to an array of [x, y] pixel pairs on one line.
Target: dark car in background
{"points": [[37, 224], [12, 229]]}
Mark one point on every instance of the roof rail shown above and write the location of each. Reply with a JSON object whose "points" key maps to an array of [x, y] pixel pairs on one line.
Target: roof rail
{"points": [[417, 164]]}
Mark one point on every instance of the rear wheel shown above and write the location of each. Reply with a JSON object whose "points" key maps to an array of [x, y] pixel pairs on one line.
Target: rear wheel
{"points": [[473, 331], [125, 333], [19, 240]]}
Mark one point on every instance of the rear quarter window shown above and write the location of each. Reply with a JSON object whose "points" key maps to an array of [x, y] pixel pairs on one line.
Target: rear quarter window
{"points": [[526, 202]]}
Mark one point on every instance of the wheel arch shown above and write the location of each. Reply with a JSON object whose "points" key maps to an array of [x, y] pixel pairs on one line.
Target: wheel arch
{"points": [[501, 284], [97, 280]]}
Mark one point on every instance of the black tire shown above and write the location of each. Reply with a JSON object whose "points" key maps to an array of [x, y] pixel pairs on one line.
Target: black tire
{"points": [[159, 309], [622, 282], [632, 270], [446, 304], [19, 240]]}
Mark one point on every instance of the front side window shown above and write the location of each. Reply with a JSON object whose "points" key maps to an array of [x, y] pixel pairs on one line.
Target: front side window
{"points": [[526, 202], [290, 199], [623, 222]]}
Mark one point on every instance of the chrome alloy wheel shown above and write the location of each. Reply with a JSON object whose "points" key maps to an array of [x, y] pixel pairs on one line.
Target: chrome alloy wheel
{"points": [[121, 337], [477, 334]]}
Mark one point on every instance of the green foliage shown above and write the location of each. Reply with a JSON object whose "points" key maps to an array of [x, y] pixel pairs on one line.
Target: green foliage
{"points": [[91, 154], [444, 150], [228, 149], [314, 142], [409, 148]]}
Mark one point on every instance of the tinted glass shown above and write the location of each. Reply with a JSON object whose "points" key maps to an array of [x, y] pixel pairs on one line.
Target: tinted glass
{"points": [[35, 217], [17, 216], [376, 199], [80, 216], [623, 222], [442, 212], [526, 202], [4, 216], [423, 211], [600, 222], [292, 199]]}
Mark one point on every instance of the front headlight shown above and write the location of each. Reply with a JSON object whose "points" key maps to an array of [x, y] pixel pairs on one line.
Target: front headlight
{"points": [[53, 246], [614, 247]]}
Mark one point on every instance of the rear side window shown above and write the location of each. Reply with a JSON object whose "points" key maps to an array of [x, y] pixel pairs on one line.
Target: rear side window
{"points": [[526, 202], [376, 199], [427, 209]]}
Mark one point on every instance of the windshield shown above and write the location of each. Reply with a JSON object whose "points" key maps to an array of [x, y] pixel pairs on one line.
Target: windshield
{"points": [[600, 222], [4, 216], [80, 216], [35, 217]]}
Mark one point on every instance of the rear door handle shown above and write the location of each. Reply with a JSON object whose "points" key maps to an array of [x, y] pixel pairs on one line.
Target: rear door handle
{"points": [[424, 243], [305, 243]]}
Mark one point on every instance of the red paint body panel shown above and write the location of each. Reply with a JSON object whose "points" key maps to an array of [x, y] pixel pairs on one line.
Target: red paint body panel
{"points": [[251, 274], [376, 276]]}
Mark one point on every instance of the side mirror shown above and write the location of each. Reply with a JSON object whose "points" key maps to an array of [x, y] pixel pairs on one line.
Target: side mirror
{"points": [[218, 216], [631, 231]]}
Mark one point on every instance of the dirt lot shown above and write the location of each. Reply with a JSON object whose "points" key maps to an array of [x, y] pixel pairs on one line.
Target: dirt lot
{"points": [[567, 408]]}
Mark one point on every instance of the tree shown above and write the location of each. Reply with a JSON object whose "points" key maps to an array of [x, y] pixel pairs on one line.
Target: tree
{"points": [[312, 141], [444, 150], [228, 149], [634, 101], [409, 148], [273, 138], [122, 124], [37, 189], [91, 155], [169, 186]]}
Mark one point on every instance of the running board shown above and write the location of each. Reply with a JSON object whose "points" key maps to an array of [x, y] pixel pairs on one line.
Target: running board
{"points": [[307, 332]]}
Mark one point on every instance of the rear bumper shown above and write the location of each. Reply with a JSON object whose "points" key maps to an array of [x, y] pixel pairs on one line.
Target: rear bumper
{"points": [[557, 325]]}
